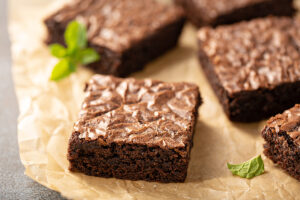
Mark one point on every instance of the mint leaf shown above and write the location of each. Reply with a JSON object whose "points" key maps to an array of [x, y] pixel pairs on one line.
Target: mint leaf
{"points": [[75, 53], [58, 50], [88, 56], [75, 36], [248, 169], [62, 69]]}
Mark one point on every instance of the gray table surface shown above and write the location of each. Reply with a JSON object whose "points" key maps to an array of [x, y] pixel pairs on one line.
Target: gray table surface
{"points": [[14, 184]]}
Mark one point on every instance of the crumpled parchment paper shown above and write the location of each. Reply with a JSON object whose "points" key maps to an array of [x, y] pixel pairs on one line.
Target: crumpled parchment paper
{"points": [[48, 111]]}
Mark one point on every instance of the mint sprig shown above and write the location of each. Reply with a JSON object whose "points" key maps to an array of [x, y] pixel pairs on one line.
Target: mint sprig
{"points": [[248, 169], [76, 52]]}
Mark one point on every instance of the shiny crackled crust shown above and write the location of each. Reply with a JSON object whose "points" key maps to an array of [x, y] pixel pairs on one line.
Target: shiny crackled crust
{"points": [[135, 129], [263, 53], [147, 112], [216, 12], [116, 24], [288, 122], [253, 67]]}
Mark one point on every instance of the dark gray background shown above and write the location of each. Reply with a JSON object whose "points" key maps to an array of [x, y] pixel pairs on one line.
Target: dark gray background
{"points": [[14, 184]]}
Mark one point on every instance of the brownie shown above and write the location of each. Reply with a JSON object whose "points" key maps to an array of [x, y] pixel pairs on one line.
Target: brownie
{"points": [[253, 67], [135, 129], [217, 12], [282, 136], [127, 33]]}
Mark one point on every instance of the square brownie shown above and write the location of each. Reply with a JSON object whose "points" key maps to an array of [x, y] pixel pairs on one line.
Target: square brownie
{"points": [[127, 33], [135, 129], [217, 12], [282, 136], [254, 67]]}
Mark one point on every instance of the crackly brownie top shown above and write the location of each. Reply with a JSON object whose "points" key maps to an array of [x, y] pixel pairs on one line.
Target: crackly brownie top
{"points": [[211, 9], [262, 53], [138, 111], [289, 122], [118, 24]]}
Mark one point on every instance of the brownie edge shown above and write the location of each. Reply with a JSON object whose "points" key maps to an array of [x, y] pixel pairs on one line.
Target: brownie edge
{"points": [[282, 137], [126, 42], [219, 12], [135, 129], [253, 66]]}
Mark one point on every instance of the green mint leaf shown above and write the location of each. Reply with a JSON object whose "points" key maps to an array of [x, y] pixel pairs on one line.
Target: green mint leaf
{"points": [[88, 56], [75, 36], [75, 53], [58, 50], [62, 69], [248, 169]]}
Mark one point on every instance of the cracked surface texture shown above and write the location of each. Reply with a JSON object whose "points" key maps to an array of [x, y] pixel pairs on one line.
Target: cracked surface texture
{"points": [[262, 53], [288, 121], [138, 112], [112, 24]]}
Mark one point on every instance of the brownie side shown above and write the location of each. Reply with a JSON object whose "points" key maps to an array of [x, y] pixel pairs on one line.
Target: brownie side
{"points": [[282, 136], [235, 14], [280, 148], [55, 31], [253, 105], [128, 161]]}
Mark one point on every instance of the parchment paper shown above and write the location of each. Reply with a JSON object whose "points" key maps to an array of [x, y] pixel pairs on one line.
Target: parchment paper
{"points": [[48, 110]]}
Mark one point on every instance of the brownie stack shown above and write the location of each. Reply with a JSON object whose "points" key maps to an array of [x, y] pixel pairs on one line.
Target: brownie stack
{"points": [[127, 33], [137, 130]]}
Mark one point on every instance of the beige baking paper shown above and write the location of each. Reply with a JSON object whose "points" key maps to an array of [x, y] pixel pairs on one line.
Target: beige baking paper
{"points": [[48, 110]]}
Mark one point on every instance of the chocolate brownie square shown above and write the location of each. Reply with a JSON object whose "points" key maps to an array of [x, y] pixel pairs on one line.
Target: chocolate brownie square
{"points": [[282, 136], [217, 12], [127, 34], [135, 129], [254, 67]]}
